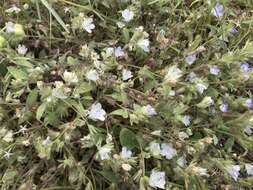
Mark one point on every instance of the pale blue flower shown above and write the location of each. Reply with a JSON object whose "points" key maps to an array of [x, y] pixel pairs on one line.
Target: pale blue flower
{"points": [[190, 59], [214, 70], [224, 107], [249, 169], [126, 153], [233, 171], [233, 30], [245, 67], [218, 10], [201, 88], [168, 151], [248, 103]]}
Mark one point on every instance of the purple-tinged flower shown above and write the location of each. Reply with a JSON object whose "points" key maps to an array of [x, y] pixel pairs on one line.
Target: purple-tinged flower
{"points": [[248, 130], [190, 59], [244, 67], [234, 171], [218, 10], [201, 88], [224, 107], [233, 30], [190, 77], [248, 103], [214, 70]]}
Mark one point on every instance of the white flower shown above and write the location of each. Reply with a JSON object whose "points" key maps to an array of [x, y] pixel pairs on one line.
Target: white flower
{"points": [[126, 74], [125, 153], [172, 93], [249, 169], [97, 112], [104, 153], [10, 27], [182, 162], [143, 44], [168, 151], [149, 110], [22, 49], [214, 70], [201, 88], [173, 74], [109, 51], [183, 135], [70, 77], [233, 171], [119, 52], [127, 15], [47, 141], [14, 9], [155, 148], [92, 75], [7, 154], [186, 120], [157, 179], [88, 24]]}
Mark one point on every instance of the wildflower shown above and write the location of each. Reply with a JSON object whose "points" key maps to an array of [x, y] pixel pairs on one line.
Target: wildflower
{"points": [[88, 24], [13, 9], [70, 77], [244, 67], [149, 110], [21, 49], [182, 162], [173, 74], [218, 10], [157, 179], [47, 141], [8, 154], [191, 76], [155, 148], [104, 153], [200, 88], [214, 70], [248, 103], [233, 171], [190, 59], [109, 51], [168, 151], [224, 107], [233, 30], [92, 75], [126, 153], [143, 44], [97, 112], [183, 135], [23, 129], [10, 27], [186, 120], [127, 15], [248, 130], [119, 52], [249, 169], [126, 74]]}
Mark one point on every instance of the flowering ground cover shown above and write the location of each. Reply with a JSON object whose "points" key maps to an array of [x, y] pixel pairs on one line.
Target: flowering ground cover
{"points": [[126, 94]]}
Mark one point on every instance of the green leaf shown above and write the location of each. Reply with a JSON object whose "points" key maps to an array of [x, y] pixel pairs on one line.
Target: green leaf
{"points": [[41, 109], [128, 138], [55, 14], [32, 98], [18, 73], [120, 112]]}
